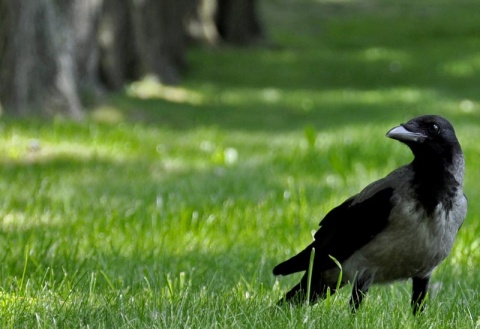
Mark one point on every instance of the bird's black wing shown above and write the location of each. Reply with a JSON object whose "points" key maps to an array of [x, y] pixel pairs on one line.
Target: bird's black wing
{"points": [[344, 230]]}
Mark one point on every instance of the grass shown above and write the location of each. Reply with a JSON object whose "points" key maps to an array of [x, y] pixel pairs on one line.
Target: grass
{"points": [[169, 207]]}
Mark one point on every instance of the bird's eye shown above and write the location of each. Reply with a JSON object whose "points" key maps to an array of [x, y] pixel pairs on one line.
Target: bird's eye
{"points": [[435, 129]]}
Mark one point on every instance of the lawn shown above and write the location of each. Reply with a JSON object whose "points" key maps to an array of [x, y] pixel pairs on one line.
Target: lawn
{"points": [[169, 206]]}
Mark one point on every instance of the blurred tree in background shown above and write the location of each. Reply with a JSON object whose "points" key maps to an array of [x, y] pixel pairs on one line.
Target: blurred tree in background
{"points": [[54, 51]]}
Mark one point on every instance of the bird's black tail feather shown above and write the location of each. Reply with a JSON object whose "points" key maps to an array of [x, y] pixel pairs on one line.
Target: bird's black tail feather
{"points": [[298, 294], [295, 264]]}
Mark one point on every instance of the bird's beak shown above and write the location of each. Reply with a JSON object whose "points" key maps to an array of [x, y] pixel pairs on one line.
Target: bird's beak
{"points": [[402, 134]]}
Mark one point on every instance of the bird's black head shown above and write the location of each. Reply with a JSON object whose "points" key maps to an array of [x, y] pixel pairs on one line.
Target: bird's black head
{"points": [[438, 165], [428, 135]]}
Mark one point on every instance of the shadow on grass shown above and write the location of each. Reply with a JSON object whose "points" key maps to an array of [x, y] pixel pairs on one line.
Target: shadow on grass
{"points": [[286, 118]]}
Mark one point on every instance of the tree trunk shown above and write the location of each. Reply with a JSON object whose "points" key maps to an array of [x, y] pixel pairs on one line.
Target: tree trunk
{"points": [[85, 22], [143, 37], [119, 61], [161, 37], [237, 21], [37, 67]]}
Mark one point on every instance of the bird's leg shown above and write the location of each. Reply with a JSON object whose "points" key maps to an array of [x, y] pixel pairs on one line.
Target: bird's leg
{"points": [[420, 287], [360, 289]]}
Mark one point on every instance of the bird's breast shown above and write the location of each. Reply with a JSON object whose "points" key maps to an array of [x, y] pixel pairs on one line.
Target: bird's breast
{"points": [[412, 244]]}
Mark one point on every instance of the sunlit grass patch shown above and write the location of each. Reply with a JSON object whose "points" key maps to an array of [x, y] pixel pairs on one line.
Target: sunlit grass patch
{"points": [[151, 88]]}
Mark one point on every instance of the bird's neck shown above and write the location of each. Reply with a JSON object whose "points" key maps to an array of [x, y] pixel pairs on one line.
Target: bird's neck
{"points": [[437, 179]]}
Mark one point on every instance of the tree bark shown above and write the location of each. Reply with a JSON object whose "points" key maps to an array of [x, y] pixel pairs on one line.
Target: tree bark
{"points": [[161, 37], [238, 23], [143, 37], [85, 22], [36, 63], [119, 61]]}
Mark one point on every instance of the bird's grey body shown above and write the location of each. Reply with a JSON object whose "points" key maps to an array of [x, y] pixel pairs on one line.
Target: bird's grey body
{"points": [[425, 241], [402, 226]]}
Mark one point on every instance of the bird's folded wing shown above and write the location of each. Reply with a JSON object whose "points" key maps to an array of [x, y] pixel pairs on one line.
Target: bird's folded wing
{"points": [[344, 230], [350, 226]]}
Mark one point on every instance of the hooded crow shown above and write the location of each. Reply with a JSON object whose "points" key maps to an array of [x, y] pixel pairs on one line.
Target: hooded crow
{"points": [[399, 227]]}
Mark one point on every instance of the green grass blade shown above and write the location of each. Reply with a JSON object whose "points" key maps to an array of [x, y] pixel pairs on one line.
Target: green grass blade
{"points": [[309, 276]]}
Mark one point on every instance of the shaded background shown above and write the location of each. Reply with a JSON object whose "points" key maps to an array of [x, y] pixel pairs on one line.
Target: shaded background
{"points": [[53, 52], [65, 56]]}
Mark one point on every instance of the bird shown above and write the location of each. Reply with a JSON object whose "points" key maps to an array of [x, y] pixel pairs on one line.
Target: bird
{"points": [[397, 228]]}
